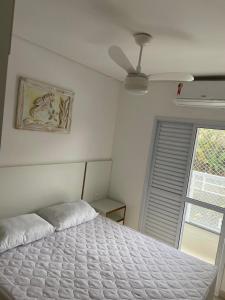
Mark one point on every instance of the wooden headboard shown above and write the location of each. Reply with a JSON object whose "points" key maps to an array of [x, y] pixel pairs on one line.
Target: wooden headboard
{"points": [[24, 189]]}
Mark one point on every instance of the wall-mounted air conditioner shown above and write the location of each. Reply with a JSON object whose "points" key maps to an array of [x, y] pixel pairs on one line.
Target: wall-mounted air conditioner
{"points": [[208, 94]]}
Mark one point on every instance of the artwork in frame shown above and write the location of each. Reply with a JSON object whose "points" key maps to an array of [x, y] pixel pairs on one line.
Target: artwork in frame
{"points": [[43, 107]]}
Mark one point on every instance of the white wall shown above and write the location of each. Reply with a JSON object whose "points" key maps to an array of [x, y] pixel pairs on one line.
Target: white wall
{"points": [[133, 136], [94, 109]]}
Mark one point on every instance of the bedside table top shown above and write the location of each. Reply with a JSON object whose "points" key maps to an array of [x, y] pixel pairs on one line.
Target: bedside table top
{"points": [[107, 205]]}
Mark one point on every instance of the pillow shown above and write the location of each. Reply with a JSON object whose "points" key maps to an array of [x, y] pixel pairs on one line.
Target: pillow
{"points": [[22, 229], [66, 215]]}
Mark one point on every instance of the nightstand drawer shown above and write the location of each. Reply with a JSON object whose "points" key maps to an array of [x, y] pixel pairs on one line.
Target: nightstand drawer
{"points": [[112, 209], [118, 215]]}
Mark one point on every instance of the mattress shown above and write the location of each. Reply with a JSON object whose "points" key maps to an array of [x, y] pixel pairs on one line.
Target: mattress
{"points": [[101, 259]]}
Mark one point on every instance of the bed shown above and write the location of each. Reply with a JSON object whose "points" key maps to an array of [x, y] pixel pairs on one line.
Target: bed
{"points": [[101, 259]]}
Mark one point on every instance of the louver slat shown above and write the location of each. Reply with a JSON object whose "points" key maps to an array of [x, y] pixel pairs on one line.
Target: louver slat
{"points": [[159, 236], [163, 203]]}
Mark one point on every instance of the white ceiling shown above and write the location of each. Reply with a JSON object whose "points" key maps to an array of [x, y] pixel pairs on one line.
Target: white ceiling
{"points": [[188, 35]]}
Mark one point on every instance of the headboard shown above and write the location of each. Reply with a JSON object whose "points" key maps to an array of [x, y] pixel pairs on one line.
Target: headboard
{"points": [[24, 189], [97, 179]]}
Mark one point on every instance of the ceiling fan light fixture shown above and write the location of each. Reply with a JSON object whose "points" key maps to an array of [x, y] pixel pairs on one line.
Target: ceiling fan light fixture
{"points": [[136, 84]]}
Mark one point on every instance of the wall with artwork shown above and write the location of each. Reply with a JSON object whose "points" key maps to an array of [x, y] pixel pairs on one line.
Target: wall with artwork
{"points": [[93, 111]]}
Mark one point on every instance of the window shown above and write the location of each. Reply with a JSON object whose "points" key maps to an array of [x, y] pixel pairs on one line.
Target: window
{"points": [[205, 196], [185, 192], [207, 219], [207, 178]]}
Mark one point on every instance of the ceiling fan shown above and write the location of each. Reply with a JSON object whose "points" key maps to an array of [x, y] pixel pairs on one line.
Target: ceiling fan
{"points": [[136, 82]]}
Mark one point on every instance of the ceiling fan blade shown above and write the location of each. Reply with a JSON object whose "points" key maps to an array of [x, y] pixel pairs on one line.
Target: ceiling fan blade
{"points": [[171, 77], [118, 56]]}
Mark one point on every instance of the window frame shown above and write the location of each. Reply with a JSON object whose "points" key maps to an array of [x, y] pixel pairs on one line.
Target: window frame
{"points": [[197, 125]]}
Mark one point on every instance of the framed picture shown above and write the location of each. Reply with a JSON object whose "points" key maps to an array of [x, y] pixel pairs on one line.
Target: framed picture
{"points": [[43, 107]]}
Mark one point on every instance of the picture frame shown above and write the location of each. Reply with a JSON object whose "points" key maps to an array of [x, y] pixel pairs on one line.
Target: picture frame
{"points": [[43, 107]]}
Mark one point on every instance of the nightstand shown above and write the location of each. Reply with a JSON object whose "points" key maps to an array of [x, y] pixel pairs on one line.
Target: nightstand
{"points": [[109, 208]]}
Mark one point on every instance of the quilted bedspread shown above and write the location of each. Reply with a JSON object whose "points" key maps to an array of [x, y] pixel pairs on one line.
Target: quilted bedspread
{"points": [[101, 259]]}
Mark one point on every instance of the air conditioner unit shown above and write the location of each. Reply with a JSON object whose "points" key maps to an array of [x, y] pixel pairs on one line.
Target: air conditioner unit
{"points": [[208, 94]]}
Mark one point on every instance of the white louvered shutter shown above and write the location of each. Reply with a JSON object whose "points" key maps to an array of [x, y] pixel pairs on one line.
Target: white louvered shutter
{"points": [[164, 198]]}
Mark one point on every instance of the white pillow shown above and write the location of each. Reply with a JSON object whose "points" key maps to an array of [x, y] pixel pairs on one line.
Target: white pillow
{"points": [[22, 229], [66, 215]]}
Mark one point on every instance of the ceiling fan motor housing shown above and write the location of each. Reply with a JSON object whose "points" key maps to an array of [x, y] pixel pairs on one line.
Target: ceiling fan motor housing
{"points": [[142, 38], [137, 84]]}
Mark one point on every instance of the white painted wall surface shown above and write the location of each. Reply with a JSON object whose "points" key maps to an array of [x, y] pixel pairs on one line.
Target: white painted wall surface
{"points": [[94, 109]]}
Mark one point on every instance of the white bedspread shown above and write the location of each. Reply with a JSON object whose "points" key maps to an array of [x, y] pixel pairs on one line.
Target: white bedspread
{"points": [[101, 259]]}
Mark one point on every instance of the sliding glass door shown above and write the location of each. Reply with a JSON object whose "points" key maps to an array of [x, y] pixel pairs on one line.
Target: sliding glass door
{"points": [[203, 228]]}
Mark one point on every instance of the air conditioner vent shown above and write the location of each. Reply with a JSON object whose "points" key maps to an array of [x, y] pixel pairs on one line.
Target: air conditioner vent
{"points": [[207, 94]]}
